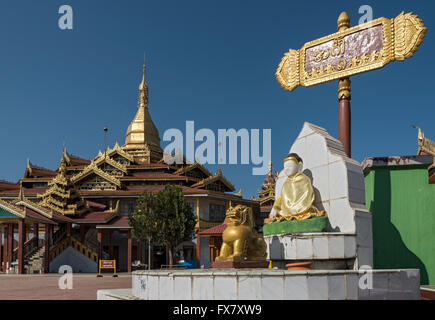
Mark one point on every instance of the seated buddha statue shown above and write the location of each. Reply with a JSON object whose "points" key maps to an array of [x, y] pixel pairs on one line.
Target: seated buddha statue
{"points": [[294, 193]]}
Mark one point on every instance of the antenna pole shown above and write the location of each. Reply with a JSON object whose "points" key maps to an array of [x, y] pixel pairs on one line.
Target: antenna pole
{"points": [[105, 141]]}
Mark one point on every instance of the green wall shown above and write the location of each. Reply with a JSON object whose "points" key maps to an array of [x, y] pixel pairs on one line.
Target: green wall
{"points": [[402, 203], [6, 214]]}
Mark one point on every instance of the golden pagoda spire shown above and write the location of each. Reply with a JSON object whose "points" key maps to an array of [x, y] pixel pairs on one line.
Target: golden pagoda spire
{"points": [[142, 139], [143, 88], [270, 169]]}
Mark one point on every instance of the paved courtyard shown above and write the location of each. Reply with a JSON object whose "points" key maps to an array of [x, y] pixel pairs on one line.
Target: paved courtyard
{"points": [[46, 287]]}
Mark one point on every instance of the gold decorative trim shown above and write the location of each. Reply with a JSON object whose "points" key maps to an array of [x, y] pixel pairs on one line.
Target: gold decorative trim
{"points": [[361, 64], [302, 216], [36, 207], [409, 32], [401, 38], [93, 168], [287, 72], [344, 88], [218, 176], [21, 213], [292, 159]]}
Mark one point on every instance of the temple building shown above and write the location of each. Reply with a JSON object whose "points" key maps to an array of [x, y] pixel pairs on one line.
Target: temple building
{"points": [[426, 147], [78, 214], [400, 194], [266, 196]]}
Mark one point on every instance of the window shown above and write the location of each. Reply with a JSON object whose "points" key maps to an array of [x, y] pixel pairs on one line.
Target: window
{"points": [[131, 207], [216, 212]]}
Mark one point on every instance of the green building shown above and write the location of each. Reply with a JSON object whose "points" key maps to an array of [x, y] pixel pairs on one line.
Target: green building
{"points": [[401, 198]]}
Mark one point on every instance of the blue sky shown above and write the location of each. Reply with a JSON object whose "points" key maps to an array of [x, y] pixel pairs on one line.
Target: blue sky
{"points": [[208, 61]]}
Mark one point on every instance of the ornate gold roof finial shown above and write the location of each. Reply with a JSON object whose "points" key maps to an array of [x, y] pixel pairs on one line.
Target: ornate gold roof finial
{"points": [[270, 169], [343, 22], [420, 138], [62, 168], [21, 194], [143, 88]]}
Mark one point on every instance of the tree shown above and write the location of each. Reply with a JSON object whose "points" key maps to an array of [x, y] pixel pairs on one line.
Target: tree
{"points": [[144, 221], [165, 217]]}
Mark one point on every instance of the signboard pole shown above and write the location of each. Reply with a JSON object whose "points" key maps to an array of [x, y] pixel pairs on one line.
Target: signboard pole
{"points": [[349, 52], [344, 115]]}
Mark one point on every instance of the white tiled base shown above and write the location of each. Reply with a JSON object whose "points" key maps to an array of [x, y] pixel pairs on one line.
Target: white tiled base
{"points": [[270, 284], [317, 246], [338, 182]]}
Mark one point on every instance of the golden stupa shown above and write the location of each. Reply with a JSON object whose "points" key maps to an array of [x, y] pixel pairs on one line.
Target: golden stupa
{"points": [[142, 138]]}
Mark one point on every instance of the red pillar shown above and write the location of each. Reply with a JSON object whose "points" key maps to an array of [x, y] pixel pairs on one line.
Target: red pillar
{"points": [[69, 229], [344, 125], [111, 245], [5, 247], [198, 242], [47, 248], [82, 233], [1, 250], [36, 233], [10, 243], [100, 244], [344, 96], [21, 240], [129, 251]]}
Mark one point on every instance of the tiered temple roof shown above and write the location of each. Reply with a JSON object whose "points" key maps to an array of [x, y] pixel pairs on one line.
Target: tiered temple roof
{"points": [[266, 195], [125, 171], [62, 195]]}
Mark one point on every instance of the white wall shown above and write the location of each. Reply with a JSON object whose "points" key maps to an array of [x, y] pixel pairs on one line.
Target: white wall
{"points": [[204, 252]]}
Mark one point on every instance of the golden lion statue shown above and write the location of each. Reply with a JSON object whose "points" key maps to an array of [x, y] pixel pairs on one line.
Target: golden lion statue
{"points": [[240, 241]]}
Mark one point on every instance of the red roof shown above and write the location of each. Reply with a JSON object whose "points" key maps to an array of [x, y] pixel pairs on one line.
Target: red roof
{"points": [[75, 160], [154, 175], [96, 217], [137, 190], [26, 191], [55, 215], [95, 204], [58, 216], [43, 173], [6, 185], [149, 165], [218, 230], [33, 215], [118, 223]]}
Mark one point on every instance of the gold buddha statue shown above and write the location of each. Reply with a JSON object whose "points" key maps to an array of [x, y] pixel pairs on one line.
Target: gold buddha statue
{"points": [[294, 192]]}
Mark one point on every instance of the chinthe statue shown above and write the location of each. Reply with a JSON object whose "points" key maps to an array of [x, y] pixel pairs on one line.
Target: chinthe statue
{"points": [[240, 241], [295, 193]]}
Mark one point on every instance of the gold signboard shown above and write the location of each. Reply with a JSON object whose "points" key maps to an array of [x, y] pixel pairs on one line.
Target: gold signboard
{"points": [[359, 49]]}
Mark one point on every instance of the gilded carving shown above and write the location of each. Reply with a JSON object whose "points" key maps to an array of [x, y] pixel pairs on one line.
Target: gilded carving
{"points": [[240, 241], [351, 51]]}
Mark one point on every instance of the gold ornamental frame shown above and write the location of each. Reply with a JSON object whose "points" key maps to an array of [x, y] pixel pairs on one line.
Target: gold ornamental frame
{"points": [[401, 38]]}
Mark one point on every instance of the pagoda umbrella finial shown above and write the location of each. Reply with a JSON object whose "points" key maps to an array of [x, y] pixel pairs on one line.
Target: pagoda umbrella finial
{"points": [[62, 168], [105, 141], [21, 194], [143, 88]]}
